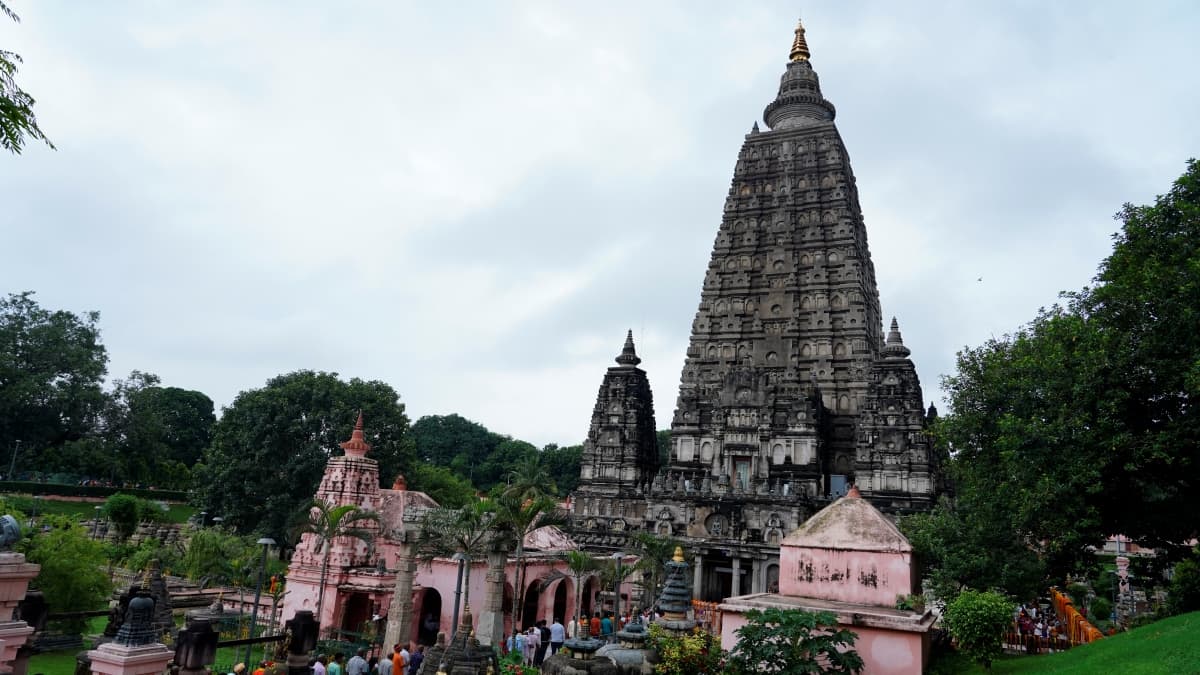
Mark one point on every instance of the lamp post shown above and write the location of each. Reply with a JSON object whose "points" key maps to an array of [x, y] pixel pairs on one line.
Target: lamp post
{"points": [[96, 522], [461, 558], [265, 542], [12, 465], [617, 592], [217, 521], [203, 518]]}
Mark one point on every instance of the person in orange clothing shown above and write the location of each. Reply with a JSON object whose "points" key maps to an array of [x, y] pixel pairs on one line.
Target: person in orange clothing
{"points": [[261, 669], [594, 626]]}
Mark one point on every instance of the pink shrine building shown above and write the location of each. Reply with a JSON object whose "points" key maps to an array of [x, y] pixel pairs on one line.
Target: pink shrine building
{"points": [[384, 580], [848, 559]]}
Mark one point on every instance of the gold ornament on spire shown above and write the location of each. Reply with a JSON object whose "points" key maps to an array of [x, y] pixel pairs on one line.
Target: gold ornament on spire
{"points": [[799, 46], [678, 557]]}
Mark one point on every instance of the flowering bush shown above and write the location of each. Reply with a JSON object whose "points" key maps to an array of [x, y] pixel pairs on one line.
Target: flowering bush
{"points": [[512, 664], [696, 654]]}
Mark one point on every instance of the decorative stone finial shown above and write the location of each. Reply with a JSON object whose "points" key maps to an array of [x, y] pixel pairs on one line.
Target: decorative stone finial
{"points": [[400, 484], [894, 347], [628, 356], [754, 129], [357, 446], [799, 45], [853, 492], [678, 557]]}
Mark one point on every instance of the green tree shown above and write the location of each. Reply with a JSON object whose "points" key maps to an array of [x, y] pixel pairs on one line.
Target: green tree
{"points": [[466, 530], [124, 512], [698, 653], [562, 463], [16, 107], [51, 366], [529, 478], [72, 576], [453, 441], [1183, 594], [978, 620], [271, 445], [328, 523], [517, 515], [443, 485], [580, 564], [507, 454], [793, 641], [663, 440], [653, 553], [1079, 424]]}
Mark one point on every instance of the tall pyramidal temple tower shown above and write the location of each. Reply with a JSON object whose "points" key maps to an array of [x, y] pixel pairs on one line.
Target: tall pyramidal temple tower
{"points": [[790, 390]]}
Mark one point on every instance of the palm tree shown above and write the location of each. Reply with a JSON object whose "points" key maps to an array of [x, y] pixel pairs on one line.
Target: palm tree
{"points": [[529, 479], [653, 553], [579, 564], [516, 517], [445, 532], [328, 522]]}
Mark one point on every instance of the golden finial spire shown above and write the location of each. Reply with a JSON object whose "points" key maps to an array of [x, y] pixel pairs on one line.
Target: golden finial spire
{"points": [[799, 46], [678, 554]]}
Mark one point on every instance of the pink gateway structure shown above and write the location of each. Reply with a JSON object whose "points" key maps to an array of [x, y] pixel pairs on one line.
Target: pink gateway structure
{"points": [[851, 560], [364, 583]]}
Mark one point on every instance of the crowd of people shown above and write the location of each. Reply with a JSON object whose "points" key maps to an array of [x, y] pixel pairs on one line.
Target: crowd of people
{"points": [[1033, 621], [540, 640], [399, 662]]}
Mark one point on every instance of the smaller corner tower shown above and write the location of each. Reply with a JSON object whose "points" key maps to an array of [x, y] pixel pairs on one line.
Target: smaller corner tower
{"points": [[620, 454], [893, 464]]}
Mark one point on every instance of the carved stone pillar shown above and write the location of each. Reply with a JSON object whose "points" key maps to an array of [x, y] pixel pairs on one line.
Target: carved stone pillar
{"points": [[736, 586], [491, 620], [756, 582], [399, 622], [698, 578]]}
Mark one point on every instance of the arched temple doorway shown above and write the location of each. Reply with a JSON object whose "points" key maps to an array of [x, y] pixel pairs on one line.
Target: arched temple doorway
{"points": [[590, 586], [428, 617], [561, 593], [529, 609], [356, 612]]}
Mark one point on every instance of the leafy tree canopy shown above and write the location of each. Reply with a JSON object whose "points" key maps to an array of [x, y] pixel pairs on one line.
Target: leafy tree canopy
{"points": [[16, 107], [793, 641], [51, 367], [978, 620], [271, 444], [72, 576], [1083, 423]]}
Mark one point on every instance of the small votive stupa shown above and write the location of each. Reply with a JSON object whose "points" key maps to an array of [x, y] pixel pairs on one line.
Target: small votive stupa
{"points": [[848, 559]]}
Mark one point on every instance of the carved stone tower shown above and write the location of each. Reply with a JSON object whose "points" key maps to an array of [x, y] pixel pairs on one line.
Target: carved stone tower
{"points": [[783, 347], [789, 392], [620, 454]]}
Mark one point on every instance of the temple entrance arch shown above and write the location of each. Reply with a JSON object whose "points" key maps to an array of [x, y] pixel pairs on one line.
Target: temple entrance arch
{"points": [[506, 608], [428, 616], [356, 612], [529, 608], [561, 595], [590, 587]]}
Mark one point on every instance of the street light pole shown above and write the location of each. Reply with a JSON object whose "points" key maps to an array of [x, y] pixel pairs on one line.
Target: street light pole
{"points": [[617, 591], [265, 542], [96, 522], [461, 558], [13, 463]]}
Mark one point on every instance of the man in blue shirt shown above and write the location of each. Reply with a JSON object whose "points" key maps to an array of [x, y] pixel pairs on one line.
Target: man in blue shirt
{"points": [[606, 625], [558, 634]]}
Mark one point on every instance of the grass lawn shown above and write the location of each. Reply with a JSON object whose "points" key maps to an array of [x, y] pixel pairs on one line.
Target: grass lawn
{"points": [[1168, 646]]}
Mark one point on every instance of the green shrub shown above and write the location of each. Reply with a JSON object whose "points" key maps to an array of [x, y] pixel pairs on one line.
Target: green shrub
{"points": [[72, 575], [1100, 610], [70, 490], [978, 620], [790, 642], [1183, 594]]}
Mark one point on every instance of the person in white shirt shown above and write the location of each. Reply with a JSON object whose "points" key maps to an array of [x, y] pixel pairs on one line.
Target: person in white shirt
{"points": [[385, 666]]}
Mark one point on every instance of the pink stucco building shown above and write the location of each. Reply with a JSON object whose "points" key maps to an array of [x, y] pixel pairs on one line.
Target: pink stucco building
{"points": [[848, 559], [417, 599]]}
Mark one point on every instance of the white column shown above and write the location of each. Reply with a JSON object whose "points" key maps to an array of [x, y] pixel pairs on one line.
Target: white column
{"points": [[756, 582], [698, 577], [736, 588]]}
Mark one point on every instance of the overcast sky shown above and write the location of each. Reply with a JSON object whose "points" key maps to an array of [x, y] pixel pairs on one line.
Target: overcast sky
{"points": [[474, 201]]}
